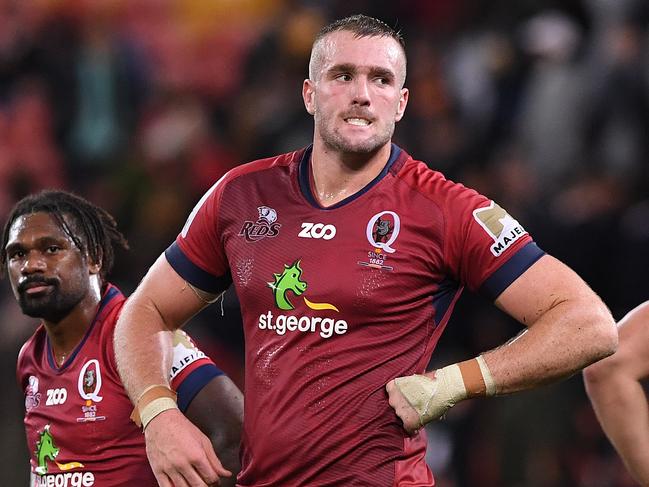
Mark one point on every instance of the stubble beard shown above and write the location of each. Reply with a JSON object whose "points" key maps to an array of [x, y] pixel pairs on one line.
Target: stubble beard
{"points": [[335, 141]]}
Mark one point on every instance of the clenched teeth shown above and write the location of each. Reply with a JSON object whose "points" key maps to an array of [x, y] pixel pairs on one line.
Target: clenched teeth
{"points": [[357, 121]]}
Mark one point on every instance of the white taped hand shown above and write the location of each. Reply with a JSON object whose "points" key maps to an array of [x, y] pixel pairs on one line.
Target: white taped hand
{"points": [[431, 398]]}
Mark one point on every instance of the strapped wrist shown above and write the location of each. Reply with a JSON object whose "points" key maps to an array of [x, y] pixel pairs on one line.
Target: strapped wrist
{"points": [[477, 378], [152, 401], [432, 397]]}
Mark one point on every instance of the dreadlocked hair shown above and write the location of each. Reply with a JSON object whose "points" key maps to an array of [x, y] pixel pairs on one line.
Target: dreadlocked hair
{"points": [[92, 229]]}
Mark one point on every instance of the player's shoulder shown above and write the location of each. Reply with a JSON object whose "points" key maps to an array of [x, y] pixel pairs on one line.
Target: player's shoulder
{"points": [[432, 184], [33, 345], [105, 321], [257, 166], [33, 342]]}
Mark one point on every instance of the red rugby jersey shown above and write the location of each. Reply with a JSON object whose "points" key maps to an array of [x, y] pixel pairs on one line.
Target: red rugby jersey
{"points": [[77, 416], [337, 301]]}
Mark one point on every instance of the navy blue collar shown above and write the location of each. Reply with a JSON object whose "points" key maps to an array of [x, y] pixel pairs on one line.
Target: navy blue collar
{"points": [[305, 186]]}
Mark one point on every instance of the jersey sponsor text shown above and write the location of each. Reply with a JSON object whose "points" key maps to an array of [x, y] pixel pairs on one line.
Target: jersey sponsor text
{"points": [[280, 324], [67, 479]]}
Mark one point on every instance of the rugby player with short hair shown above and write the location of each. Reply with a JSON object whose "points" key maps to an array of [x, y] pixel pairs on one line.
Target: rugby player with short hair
{"points": [[347, 257]]}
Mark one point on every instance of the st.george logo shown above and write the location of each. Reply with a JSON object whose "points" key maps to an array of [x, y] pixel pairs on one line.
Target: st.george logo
{"points": [[290, 281], [46, 450]]}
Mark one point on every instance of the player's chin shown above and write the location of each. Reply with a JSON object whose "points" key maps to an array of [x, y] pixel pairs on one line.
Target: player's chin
{"points": [[36, 306], [366, 145]]}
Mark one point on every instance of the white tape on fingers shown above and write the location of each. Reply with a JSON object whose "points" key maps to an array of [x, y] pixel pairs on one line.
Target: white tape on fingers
{"points": [[431, 398]]}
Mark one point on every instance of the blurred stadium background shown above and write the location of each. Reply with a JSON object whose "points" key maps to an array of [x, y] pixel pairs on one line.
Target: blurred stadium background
{"points": [[542, 105]]}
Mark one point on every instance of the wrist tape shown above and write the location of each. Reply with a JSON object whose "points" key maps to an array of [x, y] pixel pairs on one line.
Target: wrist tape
{"points": [[431, 398], [152, 401]]}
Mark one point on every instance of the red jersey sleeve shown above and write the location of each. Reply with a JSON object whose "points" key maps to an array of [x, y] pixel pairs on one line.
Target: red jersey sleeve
{"points": [[486, 249], [191, 369], [197, 255]]}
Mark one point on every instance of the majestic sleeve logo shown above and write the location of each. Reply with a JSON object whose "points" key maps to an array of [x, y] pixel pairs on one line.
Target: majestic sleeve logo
{"points": [[265, 226], [185, 353], [500, 226]]}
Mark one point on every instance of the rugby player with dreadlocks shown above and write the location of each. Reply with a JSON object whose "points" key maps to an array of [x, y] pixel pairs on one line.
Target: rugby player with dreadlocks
{"points": [[57, 250]]}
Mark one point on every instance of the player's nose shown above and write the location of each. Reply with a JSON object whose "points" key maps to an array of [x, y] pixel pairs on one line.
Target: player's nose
{"points": [[34, 262], [360, 91]]}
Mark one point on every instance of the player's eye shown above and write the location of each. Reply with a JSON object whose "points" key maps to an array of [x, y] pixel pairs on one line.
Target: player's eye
{"points": [[344, 77], [16, 254], [52, 249]]}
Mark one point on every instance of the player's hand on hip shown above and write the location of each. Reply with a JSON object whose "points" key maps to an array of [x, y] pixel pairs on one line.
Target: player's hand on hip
{"points": [[418, 399], [403, 409], [180, 454]]}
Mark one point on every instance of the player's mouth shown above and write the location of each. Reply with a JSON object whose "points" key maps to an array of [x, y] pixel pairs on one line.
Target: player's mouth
{"points": [[34, 287], [358, 121]]}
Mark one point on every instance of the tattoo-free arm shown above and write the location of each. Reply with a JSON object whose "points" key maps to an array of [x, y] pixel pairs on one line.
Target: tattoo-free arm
{"points": [[178, 452], [618, 397], [568, 328], [217, 410]]}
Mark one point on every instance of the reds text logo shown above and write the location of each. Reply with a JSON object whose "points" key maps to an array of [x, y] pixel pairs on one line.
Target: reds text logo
{"points": [[265, 226]]}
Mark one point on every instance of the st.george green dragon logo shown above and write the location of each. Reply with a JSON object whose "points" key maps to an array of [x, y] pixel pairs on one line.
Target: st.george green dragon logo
{"points": [[291, 280], [46, 449]]}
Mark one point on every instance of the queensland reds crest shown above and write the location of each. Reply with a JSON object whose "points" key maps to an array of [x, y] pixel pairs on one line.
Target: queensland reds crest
{"points": [[383, 229], [89, 383], [32, 396], [265, 226]]}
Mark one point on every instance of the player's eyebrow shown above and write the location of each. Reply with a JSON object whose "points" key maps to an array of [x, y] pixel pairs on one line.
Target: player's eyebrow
{"points": [[374, 71], [13, 247], [40, 242]]}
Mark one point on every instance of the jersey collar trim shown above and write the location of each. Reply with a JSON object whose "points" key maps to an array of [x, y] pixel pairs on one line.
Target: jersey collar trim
{"points": [[305, 184]]}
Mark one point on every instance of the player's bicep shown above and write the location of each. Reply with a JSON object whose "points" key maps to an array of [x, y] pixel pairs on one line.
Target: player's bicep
{"points": [[544, 285], [169, 294]]}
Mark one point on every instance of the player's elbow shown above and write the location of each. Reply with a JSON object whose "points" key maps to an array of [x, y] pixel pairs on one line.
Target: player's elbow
{"points": [[595, 374], [603, 339]]}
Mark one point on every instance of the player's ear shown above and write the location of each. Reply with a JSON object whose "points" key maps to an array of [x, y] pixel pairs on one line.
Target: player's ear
{"points": [[403, 102], [308, 95], [94, 267]]}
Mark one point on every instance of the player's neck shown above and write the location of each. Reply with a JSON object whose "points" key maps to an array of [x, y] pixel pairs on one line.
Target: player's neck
{"points": [[336, 176], [66, 334]]}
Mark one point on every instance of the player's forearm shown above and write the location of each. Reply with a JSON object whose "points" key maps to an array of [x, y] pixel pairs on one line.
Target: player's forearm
{"points": [[621, 407], [566, 338], [143, 346]]}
